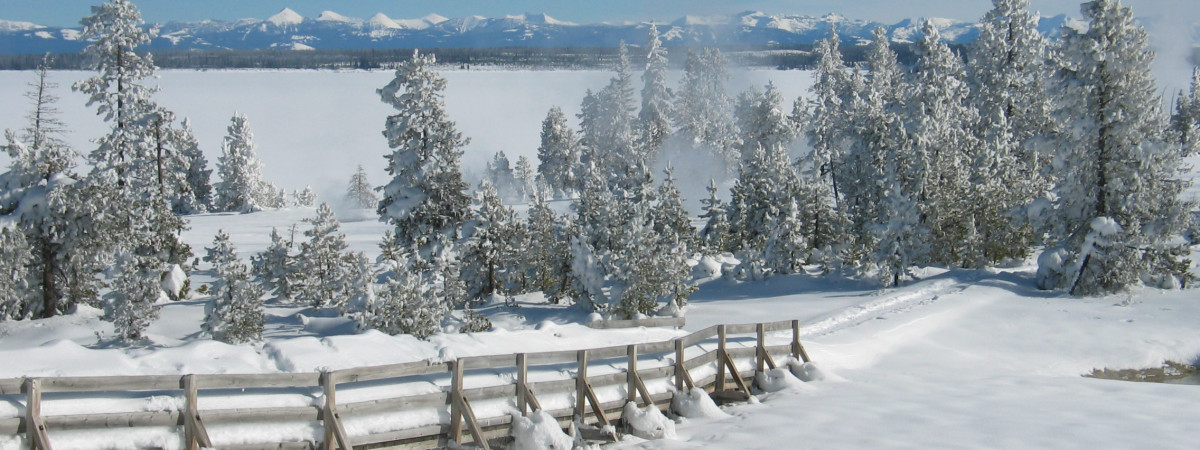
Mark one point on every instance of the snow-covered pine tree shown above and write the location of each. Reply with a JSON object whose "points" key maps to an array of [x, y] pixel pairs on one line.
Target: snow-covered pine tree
{"points": [[714, 237], [899, 238], [17, 292], [938, 175], [558, 155], [766, 185], [136, 288], [654, 118], [276, 267], [703, 112], [305, 197], [1009, 80], [359, 193], [607, 134], [426, 197], [830, 123], [1185, 123], [242, 188], [489, 251], [196, 195], [1118, 207], [500, 174], [329, 278], [235, 314], [762, 120], [674, 241], [548, 253], [403, 305], [526, 179]]}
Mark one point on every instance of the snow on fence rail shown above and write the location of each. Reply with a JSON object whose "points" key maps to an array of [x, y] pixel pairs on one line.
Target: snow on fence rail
{"points": [[652, 371]]}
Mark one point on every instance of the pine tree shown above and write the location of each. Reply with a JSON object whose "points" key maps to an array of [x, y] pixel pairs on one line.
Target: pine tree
{"points": [[762, 121], [359, 193], [607, 135], [489, 250], [135, 290], [558, 155], [329, 278], [548, 252], [714, 237], [526, 179], [425, 198], [242, 188], [1185, 123], [276, 267], [1118, 205], [196, 196], [235, 314], [899, 239], [674, 241], [305, 197], [16, 293], [654, 118], [831, 115], [500, 174], [703, 109], [403, 305]]}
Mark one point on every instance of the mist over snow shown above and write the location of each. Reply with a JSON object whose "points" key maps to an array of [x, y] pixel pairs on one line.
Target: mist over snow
{"points": [[315, 127]]}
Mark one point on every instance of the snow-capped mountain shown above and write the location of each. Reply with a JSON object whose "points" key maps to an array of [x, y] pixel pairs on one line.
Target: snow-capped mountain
{"points": [[289, 29]]}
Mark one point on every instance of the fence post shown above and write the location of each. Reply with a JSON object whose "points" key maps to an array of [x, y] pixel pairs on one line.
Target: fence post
{"points": [[720, 381], [194, 431], [760, 349], [335, 432], [631, 374], [35, 430], [679, 367], [456, 386], [581, 386], [522, 380]]}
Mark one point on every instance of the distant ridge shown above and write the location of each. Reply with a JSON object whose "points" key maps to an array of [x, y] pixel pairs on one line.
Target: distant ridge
{"points": [[287, 29]]}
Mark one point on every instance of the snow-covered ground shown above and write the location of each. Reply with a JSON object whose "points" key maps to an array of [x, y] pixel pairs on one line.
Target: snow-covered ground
{"points": [[958, 359]]}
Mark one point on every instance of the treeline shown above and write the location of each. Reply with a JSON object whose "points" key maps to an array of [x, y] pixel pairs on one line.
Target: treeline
{"points": [[789, 57]]}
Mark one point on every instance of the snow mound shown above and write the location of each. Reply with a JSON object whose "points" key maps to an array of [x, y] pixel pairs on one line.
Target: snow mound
{"points": [[538, 431], [696, 403], [286, 17], [174, 281], [775, 380], [810, 371], [649, 423]]}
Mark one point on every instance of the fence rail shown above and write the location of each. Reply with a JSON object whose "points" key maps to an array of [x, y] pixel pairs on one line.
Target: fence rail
{"points": [[675, 366]]}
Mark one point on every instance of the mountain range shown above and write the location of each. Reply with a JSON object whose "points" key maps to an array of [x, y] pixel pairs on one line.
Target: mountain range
{"points": [[330, 30]]}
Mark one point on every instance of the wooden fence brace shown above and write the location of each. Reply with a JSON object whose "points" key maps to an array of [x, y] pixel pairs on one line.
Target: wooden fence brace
{"points": [[584, 393], [797, 348], [334, 430], [761, 354], [723, 359], [720, 386], [35, 430], [195, 433], [682, 376]]}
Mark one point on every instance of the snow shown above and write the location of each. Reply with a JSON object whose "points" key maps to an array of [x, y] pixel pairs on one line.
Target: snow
{"points": [[286, 17], [957, 358], [10, 26], [648, 423], [537, 432], [330, 16]]}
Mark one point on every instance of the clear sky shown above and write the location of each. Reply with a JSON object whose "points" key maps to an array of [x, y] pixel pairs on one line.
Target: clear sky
{"points": [[68, 12]]}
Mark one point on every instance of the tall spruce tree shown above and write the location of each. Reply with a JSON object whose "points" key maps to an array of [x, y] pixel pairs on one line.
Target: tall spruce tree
{"points": [[242, 187], [425, 200], [196, 194], [558, 155], [1185, 123], [654, 118], [1118, 206], [703, 109], [235, 314], [489, 252], [330, 275], [359, 193]]}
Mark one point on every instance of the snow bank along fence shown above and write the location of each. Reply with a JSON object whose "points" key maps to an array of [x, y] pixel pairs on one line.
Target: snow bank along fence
{"points": [[565, 390]]}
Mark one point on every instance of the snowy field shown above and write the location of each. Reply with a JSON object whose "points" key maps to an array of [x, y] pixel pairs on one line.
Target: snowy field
{"points": [[958, 359]]}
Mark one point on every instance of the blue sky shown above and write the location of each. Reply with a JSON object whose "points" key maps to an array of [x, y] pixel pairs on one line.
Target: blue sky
{"points": [[68, 12]]}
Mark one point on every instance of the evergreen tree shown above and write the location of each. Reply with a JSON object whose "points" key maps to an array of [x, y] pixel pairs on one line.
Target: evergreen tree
{"points": [[703, 109], [654, 118], [403, 305], [548, 252], [1118, 205], [135, 290], [16, 282], [242, 188], [276, 267], [714, 237], [329, 276], [830, 123], [425, 198], [1185, 123], [607, 135], [196, 196], [490, 249], [359, 193], [762, 121], [526, 178], [899, 239], [762, 205], [305, 197], [235, 314], [674, 241], [500, 174], [558, 155]]}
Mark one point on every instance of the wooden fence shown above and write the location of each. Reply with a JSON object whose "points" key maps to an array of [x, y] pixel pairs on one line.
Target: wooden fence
{"points": [[676, 365]]}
